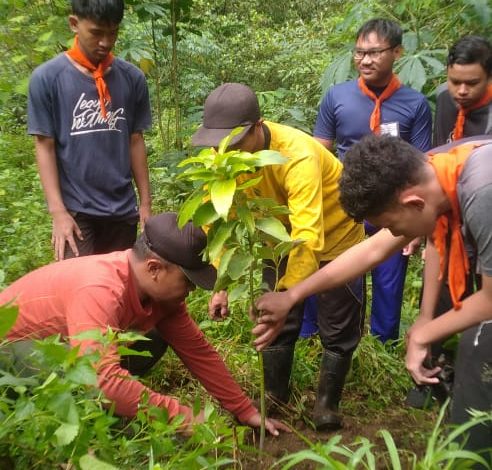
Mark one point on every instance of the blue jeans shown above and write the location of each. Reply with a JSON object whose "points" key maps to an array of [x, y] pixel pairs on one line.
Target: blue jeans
{"points": [[388, 282]]}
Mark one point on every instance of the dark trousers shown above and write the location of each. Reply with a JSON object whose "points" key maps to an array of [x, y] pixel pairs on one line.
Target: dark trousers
{"points": [[103, 235], [140, 365], [341, 313], [473, 385]]}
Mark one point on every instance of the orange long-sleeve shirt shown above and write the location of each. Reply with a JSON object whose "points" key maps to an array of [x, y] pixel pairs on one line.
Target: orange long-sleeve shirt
{"points": [[97, 292]]}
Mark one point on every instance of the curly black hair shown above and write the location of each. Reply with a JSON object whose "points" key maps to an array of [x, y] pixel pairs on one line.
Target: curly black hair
{"points": [[375, 171]]}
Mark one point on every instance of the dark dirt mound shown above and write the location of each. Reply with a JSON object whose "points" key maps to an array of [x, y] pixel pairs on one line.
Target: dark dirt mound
{"points": [[406, 426]]}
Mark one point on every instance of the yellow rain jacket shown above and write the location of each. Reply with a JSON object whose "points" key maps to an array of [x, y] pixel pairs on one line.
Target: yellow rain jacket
{"points": [[308, 185]]}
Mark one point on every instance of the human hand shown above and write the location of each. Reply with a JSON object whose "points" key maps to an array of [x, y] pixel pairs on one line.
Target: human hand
{"points": [[218, 308], [273, 426], [186, 428], [273, 308], [417, 353], [64, 228], [412, 247], [266, 333]]}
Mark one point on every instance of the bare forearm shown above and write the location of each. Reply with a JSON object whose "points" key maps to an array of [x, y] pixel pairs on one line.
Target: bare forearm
{"points": [[64, 225], [432, 283], [474, 310], [354, 262], [328, 143], [48, 173], [140, 168]]}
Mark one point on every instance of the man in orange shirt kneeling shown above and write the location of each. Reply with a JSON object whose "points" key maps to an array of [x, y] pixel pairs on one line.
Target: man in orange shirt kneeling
{"points": [[139, 289]]}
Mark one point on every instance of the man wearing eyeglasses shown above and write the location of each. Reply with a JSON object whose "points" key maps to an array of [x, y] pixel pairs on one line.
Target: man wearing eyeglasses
{"points": [[377, 103]]}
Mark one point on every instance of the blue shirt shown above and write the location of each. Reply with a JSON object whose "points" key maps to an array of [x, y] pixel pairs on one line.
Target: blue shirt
{"points": [[345, 112], [92, 152]]}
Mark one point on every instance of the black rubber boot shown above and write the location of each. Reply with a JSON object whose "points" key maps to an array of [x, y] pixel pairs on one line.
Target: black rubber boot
{"points": [[333, 370], [277, 364]]}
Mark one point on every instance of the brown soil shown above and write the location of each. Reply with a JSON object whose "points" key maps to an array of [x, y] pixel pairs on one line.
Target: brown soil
{"points": [[407, 427]]}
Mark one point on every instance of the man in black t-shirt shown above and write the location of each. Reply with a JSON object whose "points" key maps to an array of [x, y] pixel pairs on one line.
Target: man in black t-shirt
{"points": [[468, 92], [87, 111]]}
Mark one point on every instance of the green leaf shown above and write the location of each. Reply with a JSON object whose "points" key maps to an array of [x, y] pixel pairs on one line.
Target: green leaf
{"points": [[205, 158], [205, 215], [83, 373], [63, 405], [8, 317], [92, 335], [246, 217], [222, 283], [53, 351], [196, 174], [338, 71], [274, 228], [189, 208], [13, 381], [130, 336], [216, 244], [224, 143], [269, 157], [412, 72], [239, 264], [238, 292], [250, 182], [436, 65], [124, 351], [240, 168], [410, 42], [392, 450], [45, 37], [282, 249], [222, 193], [21, 86], [19, 58], [265, 252], [224, 261], [66, 433], [242, 158], [89, 462]]}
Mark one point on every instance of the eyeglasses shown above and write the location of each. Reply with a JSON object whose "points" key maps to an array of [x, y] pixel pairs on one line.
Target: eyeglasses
{"points": [[375, 54]]}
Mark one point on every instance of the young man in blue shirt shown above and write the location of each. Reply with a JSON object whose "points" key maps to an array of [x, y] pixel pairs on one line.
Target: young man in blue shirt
{"points": [[377, 103]]}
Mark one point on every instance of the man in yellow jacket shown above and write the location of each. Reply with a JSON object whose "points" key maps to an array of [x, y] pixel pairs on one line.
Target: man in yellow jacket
{"points": [[308, 184]]}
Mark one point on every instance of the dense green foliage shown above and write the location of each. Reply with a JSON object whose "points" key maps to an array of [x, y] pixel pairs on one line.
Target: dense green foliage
{"points": [[289, 52]]}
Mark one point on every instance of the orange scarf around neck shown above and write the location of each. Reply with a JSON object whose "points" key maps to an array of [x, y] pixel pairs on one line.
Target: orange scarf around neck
{"points": [[448, 167], [76, 53], [393, 85], [462, 112]]}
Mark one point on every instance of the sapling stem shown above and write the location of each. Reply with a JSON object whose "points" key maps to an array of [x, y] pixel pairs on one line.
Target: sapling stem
{"points": [[260, 354]]}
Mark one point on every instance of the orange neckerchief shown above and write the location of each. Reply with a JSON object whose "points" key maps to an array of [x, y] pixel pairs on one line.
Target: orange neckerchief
{"points": [[448, 167], [462, 112], [392, 86], [75, 53]]}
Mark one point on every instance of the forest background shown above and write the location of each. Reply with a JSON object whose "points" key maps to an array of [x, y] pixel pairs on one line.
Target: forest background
{"points": [[289, 52]]}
